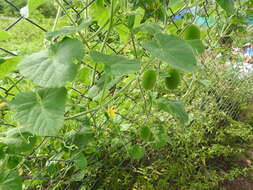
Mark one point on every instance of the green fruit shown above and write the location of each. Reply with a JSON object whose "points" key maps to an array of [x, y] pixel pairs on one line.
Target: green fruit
{"points": [[192, 32], [149, 79], [172, 81]]}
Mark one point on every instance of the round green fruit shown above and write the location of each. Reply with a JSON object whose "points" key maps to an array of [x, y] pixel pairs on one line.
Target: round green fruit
{"points": [[173, 80], [192, 32], [149, 79]]}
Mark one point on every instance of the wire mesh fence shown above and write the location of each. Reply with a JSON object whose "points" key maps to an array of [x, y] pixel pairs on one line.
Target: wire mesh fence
{"points": [[217, 86]]}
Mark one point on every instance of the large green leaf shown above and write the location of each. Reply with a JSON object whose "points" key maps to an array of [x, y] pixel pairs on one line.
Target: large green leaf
{"points": [[197, 46], [173, 107], [11, 180], [42, 111], [4, 35], [8, 65], [19, 140], [116, 65], [68, 30], [227, 5], [173, 50], [55, 66]]}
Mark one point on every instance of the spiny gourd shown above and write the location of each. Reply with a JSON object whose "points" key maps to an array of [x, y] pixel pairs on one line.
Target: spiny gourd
{"points": [[192, 32], [149, 79], [173, 80]]}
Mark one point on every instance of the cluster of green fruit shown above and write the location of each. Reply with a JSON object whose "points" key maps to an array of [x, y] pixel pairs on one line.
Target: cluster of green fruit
{"points": [[172, 79]]}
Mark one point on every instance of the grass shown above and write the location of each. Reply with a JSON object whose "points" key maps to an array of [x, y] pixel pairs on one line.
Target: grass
{"points": [[25, 37]]}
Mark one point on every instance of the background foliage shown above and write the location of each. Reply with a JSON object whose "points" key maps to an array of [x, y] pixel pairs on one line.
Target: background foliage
{"points": [[76, 111]]}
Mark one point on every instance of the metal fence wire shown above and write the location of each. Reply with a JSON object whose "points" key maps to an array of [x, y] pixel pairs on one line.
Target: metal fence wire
{"points": [[212, 88]]}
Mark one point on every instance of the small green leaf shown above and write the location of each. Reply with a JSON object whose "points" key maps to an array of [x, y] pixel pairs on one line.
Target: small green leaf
{"points": [[83, 137], [173, 50], [136, 152], [42, 111], [68, 30], [116, 65], [53, 67], [227, 5], [173, 107], [93, 91], [145, 133], [13, 161], [10, 179], [19, 140], [80, 160], [8, 65], [78, 176], [99, 12], [4, 35], [84, 75], [123, 32]]}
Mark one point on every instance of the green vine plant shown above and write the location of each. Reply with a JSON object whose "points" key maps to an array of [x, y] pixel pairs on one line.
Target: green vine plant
{"points": [[109, 80]]}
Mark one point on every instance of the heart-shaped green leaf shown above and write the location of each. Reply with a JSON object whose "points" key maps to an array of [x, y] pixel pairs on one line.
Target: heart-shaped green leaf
{"points": [[116, 65], [173, 107], [55, 66], [173, 50], [42, 111]]}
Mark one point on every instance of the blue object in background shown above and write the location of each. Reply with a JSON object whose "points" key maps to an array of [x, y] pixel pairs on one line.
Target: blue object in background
{"points": [[249, 51], [249, 21], [202, 21], [205, 21], [180, 14]]}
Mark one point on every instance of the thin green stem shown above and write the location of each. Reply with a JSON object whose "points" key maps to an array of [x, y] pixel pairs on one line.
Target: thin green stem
{"points": [[105, 40], [57, 18], [73, 22], [104, 105], [133, 42]]}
